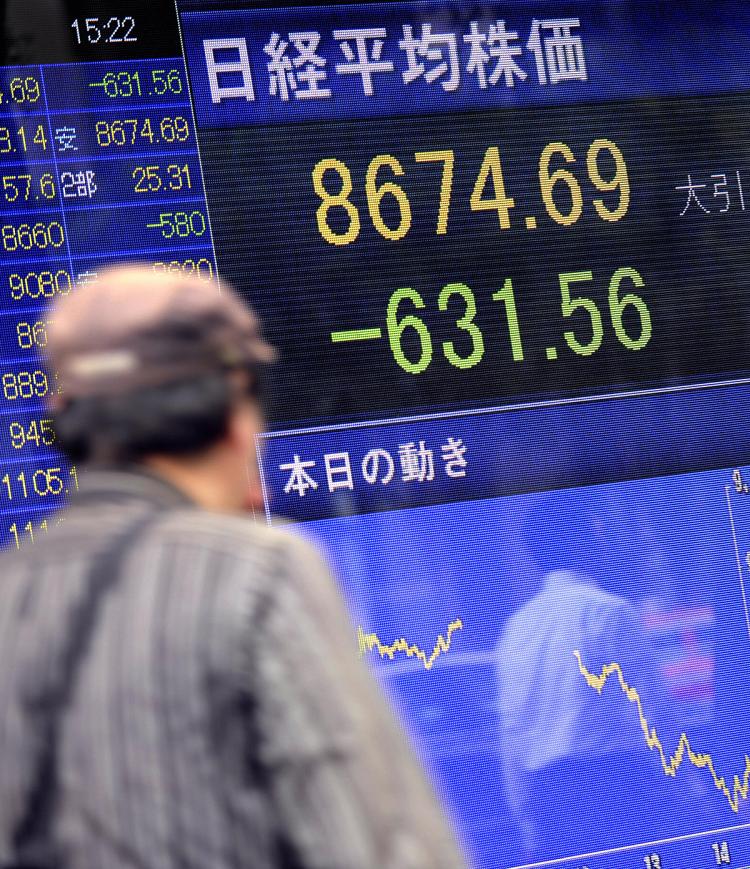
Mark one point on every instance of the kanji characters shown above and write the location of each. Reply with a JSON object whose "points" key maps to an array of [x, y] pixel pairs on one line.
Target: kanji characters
{"points": [[338, 471], [692, 195], [301, 75], [499, 45], [490, 53], [562, 50], [81, 184], [725, 191], [440, 49], [299, 479], [310, 66], [365, 58], [237, 65], [417, 462], [66, 138], [280, 70], [378, 467]]}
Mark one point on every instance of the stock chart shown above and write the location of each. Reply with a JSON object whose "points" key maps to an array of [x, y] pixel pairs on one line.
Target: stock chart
{"points": [[501, 249]]}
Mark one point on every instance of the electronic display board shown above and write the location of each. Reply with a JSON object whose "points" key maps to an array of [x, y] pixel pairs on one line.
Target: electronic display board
{"points": [[502, 249]]}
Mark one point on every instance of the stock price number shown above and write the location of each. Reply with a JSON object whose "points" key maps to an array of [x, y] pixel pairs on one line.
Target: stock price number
{"points": [[35, 433], [27, 385], [32, 236], [412, 347], [25, 187], [180, 224], [40, 483], [32, 335], [22, 91], [124, 84], [339, 221], [30, 140], [45, 284], [152, 179], [201, 268], [122, 132], [112, 29], [27, 533]]}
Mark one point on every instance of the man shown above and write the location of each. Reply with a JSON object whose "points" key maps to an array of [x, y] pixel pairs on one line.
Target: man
{"points": [[579, 776], [208, 709]]}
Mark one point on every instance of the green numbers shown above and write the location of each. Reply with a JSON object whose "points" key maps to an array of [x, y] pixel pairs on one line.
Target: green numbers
{"points": [[507, 297], [618, 305], [630, 303], [582, 324], [466, 323], [397, 327], [468, 348], [571, 305]]}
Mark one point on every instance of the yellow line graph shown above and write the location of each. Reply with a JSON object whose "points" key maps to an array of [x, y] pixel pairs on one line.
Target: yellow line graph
{"points": [[369, 642], [671, 764]]}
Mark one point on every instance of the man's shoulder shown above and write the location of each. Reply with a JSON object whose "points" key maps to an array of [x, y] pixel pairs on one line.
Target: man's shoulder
{"points": [[233, 536], [84, 531]]}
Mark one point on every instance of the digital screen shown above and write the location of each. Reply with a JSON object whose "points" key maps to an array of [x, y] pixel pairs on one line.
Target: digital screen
{"points": [[502, 250]]}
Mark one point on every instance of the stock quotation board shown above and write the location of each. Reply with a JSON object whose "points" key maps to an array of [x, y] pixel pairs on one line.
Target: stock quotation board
{"points": [[502, 250]]}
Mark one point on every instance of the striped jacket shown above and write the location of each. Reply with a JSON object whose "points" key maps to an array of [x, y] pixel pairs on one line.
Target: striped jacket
{"points": [[221, 717]]}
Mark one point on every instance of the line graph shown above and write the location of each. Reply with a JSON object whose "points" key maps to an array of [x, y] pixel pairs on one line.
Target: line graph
{"points": [[670, 764], [369, 642]]}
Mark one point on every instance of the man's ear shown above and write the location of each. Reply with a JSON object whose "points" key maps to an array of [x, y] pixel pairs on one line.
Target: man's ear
{"points": [[243, 426]]}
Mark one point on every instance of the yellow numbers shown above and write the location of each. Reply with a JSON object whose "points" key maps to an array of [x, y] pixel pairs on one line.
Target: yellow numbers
{"points": [[122, 132], [39, 285], [339, 200], [22, 140], [547, 183], [174, 129], [151, 179], [376, 194], [32, 335], [24, 90], [24, 187], [391, 209], [36, 236], [500, 202], [200, 268], [24, 385], [36, 432], [619, 181], [447, 158]]}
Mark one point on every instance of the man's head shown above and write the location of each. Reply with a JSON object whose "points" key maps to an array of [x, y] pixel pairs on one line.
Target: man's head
{"points": [[568, 531], [161, 370]]}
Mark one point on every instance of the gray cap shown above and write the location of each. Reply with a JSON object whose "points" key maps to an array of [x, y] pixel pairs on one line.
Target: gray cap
{"points": [[135, 328]]}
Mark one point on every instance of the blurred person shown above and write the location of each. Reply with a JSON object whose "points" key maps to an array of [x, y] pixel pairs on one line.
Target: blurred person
{"points": [[579, 776], [179, 686]]}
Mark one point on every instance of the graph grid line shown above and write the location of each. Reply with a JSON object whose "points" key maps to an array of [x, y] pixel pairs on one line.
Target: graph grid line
{"points": [[741, 572], [670, 764], [370, 642]]}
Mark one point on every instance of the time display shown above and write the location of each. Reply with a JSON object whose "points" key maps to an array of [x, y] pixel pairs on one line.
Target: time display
{"points": [[110, 29]]}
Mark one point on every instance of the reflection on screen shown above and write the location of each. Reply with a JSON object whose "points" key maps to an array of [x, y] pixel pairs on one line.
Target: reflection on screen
{"points": [[503, 252]]}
